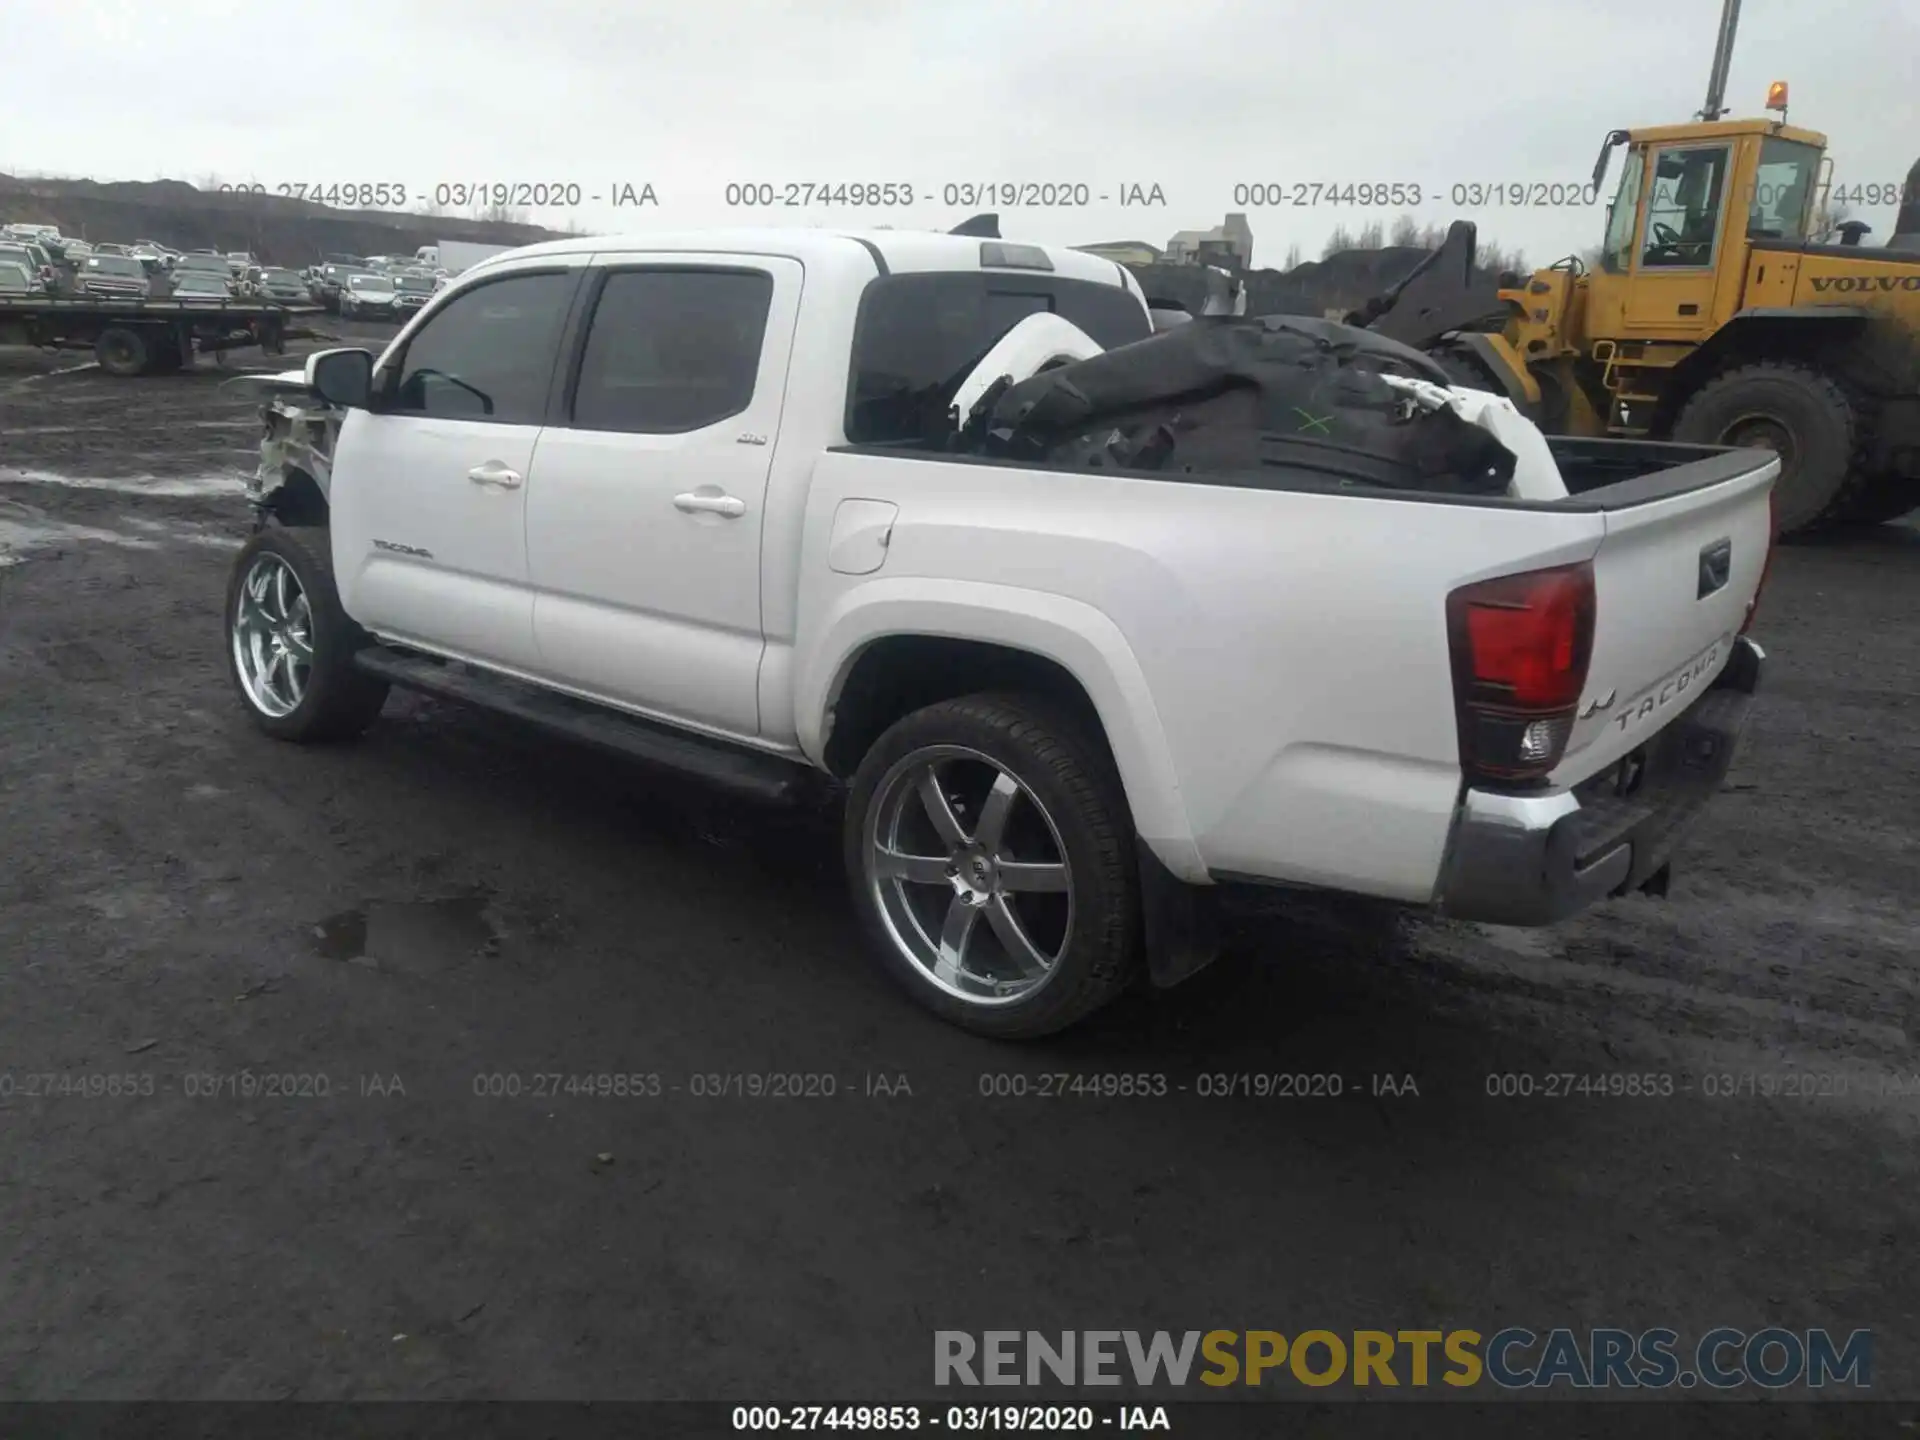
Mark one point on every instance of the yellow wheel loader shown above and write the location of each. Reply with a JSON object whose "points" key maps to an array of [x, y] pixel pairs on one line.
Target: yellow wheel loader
{"points": [[1714, 315]]}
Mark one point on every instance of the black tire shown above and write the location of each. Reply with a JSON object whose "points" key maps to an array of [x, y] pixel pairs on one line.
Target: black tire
{"points": [[1809, 410], [122, 351], [339, 700], [1071, 775]]}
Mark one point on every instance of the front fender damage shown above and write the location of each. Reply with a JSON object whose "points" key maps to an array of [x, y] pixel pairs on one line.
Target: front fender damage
{"points": [[298, 431]]}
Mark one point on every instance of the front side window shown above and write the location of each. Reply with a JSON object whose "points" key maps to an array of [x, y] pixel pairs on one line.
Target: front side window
{"points": [[672, 350], [488, 355], [1782, 184], [1683, 207], [919, 335]]}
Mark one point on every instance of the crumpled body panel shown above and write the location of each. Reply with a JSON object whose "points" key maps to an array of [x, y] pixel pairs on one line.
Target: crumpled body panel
{"points": [[1282, 394]]}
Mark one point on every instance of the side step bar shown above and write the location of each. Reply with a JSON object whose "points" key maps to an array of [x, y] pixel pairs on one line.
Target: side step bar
{"points": [[745, 772]]}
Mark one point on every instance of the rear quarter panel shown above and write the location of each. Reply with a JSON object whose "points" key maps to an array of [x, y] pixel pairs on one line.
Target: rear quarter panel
{"points": [[1289, 711]]}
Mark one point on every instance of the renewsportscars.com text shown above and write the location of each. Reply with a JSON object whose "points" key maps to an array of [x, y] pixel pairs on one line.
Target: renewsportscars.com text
{"points": [[1514, 1358]]}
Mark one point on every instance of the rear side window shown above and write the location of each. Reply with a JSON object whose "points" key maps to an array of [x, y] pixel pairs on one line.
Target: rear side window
{"points": [[488, 354], [672, 350], [919, 336]]}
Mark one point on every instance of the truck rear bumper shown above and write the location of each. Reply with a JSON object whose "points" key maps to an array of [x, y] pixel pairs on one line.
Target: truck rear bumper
{"points": [[1538, 858]]}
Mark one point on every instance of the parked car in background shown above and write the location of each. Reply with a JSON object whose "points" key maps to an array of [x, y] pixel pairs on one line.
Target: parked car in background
{"points": [[370, 297], [198, 263], [201, 285], [412, 289], [72, 251], [239, 262], [118, 277], [17, 279], [112, 249], [31, 255], [333, 280], [285, 286]]}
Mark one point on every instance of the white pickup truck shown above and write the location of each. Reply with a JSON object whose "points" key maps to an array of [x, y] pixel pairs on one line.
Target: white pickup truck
{"points": [[673, 495]]}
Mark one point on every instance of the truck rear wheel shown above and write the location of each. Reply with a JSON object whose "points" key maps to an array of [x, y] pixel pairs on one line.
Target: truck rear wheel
{"points": [[122, 351], [1800, 414], [990, 850], [290, 646]]}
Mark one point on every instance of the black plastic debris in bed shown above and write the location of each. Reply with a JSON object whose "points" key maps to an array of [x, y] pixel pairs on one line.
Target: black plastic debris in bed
{"points": [[1242, 395]]}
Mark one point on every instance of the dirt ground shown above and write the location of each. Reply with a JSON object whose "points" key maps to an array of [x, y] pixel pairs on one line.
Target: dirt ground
{"points": [[402, 922]]}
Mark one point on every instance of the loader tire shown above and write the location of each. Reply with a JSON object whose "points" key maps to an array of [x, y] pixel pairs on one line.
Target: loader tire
{"points": [[1795, 411]]}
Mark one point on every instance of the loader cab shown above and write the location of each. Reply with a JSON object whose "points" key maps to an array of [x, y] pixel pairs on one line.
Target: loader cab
{"points": [[1691, 199]]}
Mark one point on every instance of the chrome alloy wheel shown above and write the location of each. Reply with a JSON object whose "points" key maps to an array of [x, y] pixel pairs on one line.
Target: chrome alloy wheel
{"points": [[273, 637], [969, 875]]}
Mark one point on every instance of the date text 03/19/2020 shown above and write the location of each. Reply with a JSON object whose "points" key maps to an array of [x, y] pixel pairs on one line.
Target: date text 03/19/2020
{"points": [[967, 194], [456, 194], [1412, 194]]}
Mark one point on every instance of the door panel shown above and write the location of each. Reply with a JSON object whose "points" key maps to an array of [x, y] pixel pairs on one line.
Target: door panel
{"points": [[430, 535], [434, 557], [1684, 229], [644, 518]]}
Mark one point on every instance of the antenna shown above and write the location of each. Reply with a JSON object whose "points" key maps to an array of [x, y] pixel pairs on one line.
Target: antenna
{"points": [[1722, 62]]}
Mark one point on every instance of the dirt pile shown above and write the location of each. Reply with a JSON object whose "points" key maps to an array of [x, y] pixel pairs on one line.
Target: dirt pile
{"points": [[277, 229], [1345, 280]]}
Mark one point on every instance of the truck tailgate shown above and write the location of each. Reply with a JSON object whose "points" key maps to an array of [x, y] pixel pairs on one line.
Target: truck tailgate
{"points": [[1676, 572]]}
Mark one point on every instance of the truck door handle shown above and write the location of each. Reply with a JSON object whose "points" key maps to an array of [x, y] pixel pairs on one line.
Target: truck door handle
{"points": [[494, 473], [694, 503]]}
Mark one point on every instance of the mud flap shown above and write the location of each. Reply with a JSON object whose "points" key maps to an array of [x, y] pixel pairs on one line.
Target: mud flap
{"points": [[1182, 923]]}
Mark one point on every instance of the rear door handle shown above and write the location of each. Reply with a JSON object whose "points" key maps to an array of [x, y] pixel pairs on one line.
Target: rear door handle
{"points": [[494, 473], [694, 503]]}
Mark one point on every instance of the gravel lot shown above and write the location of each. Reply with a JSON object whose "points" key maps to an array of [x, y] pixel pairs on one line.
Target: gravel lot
{"points": [[451, 899]]}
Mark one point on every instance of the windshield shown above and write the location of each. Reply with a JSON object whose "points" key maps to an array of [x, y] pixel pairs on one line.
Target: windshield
{"points": [[1782, 184], [209, 264], [281, 277], [422, 283], [370, 282], [15, 275], [116, 265], [202, 284]]}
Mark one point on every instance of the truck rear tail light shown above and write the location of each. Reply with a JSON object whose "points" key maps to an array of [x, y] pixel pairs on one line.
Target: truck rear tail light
{"points": [[1766, 566], [1521, 645]]}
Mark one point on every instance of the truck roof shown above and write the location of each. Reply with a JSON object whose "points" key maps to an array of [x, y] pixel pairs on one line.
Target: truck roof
{"points": [[902, 250]]}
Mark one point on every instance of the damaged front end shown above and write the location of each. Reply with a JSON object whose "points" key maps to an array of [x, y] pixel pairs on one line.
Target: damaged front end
{"points": [[292, 479]]}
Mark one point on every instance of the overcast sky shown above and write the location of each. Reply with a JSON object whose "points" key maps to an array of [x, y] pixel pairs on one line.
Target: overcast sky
{"points": [[1196, 96]]}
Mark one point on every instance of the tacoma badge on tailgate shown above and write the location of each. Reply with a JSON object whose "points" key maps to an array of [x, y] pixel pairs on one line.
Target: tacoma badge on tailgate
{"points": [[1670, 689]]}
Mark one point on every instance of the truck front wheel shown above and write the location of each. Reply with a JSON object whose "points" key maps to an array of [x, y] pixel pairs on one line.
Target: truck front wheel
{"points": [[290, 646], [990, 850]]}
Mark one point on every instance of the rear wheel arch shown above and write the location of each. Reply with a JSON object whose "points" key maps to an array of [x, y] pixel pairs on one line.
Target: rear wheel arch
{"points": [[891, 671]]}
